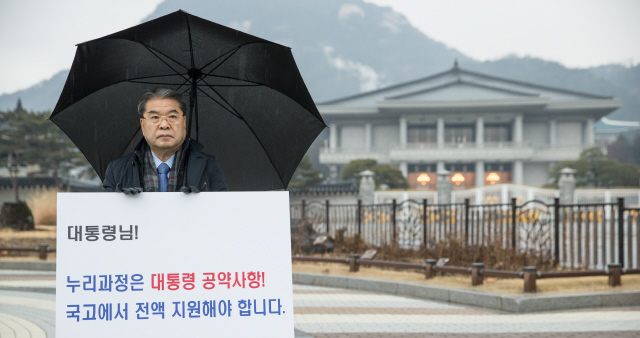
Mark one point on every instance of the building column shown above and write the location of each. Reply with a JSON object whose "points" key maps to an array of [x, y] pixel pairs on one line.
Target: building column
{"points": [[553, 124], [404, 167], [440, 134], [333, 137], [440, 166], [479, 131], [567, 186], [517, 172], [333, 172], [479, 174], [403, 132], [517, 129], [367, 137], [589, 133], [443, 187]]}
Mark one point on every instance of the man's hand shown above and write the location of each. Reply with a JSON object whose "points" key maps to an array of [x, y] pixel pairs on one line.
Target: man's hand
{"points": [[188, 190], [128, 191]]}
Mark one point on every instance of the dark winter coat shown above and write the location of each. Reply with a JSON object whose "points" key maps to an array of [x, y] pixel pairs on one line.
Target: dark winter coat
{"points": [[202, 171]]}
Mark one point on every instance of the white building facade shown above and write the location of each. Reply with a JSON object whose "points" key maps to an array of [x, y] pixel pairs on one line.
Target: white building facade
{"points": [[483, 129]]}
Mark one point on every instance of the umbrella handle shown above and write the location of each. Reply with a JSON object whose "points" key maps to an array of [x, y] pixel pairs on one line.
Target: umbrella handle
{"points": [[193, 103]]}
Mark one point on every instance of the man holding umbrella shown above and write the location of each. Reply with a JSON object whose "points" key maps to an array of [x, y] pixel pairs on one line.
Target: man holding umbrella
{"points": [[165, 159], [247, 104]]}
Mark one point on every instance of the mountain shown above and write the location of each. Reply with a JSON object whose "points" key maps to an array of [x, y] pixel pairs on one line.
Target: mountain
{"points": [[611, 80], [40, 97], [344, 47]]}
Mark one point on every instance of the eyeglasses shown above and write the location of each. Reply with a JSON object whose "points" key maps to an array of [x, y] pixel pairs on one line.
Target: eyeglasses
{"points": [[156, 119]]}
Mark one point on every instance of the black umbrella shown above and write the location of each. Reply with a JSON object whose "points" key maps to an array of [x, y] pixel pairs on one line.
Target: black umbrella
{"points": [[248, 103]]}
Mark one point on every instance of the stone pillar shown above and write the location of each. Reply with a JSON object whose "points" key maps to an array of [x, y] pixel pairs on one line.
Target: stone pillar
{"points": [[553, 135], [440, 166], [517, 129], [567, 185], [443, 186], [403, 132], [333, 137], [479, 173], [440, 132], [479, 132], [367, 187], [615, 271], [476, 274], [354, 263], [529, 274], [42, 251], [333, 172], [429, 268], [517, 172], [367, 137], [589, 133], [404, 167]]}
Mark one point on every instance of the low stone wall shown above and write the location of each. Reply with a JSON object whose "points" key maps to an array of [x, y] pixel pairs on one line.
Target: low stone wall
{"points": [[508, 303]]}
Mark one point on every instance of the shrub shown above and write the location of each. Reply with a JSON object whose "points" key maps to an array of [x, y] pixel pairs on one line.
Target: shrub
{"points": [[43, 206]]}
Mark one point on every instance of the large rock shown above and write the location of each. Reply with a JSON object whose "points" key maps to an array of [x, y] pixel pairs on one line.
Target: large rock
{"points": [[17, 216]]}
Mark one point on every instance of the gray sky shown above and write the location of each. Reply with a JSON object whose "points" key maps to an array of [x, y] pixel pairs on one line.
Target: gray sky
{"points": [[39, 36], [576, 33]]}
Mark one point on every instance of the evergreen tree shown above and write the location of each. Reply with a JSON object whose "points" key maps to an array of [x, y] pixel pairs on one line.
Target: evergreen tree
{"points": [[30, 138], [355, 167], [385, 174], [19, 105], [594, 169], [305, 175]]}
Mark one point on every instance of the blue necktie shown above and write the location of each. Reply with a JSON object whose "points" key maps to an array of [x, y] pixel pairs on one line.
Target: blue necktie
{"points": [[163, 176]]}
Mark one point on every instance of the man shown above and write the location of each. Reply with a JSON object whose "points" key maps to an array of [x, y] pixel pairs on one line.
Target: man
{"points": [[165, 159]]}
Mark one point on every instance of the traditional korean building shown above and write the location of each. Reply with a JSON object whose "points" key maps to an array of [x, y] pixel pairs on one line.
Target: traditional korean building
{"points": [[484, 129]]}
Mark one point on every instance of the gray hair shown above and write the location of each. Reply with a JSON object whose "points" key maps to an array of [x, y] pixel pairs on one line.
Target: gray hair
{"points": [[160, 93]]}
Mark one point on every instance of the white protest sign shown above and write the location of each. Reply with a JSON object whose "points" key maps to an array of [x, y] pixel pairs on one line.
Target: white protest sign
{"points": [[174, 265]]}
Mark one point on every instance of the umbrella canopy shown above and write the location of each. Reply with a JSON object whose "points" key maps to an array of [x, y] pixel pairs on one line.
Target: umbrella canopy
{"points": [[248, 104]]}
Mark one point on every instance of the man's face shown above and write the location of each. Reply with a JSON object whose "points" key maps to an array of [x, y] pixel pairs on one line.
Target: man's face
{"points": [[164, 124]]}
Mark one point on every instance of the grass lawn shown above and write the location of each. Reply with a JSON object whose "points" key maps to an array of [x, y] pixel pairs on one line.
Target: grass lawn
{"points": [[495, 285], [47, 234]]}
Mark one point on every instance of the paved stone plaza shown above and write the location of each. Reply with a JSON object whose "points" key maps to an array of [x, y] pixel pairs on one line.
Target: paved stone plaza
{"points": [[330, 312]]}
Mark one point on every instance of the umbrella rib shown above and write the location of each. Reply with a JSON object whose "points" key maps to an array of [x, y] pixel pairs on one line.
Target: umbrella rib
{"points": [[232, 78], [193, 65], [249, 85], [230, 54], [264, 85], [265, 151], [161, 60], [182, 84], [232, 51], [150, 77], [155, 83], [236, 114], [148, 48], [252, 132], [227, 102]]}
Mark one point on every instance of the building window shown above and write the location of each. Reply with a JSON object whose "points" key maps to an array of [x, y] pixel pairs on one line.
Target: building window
{"points": [[422, 176], [422, 134], [416, 168], [464, 167], [459, 134], [497, 133], [497, 173]]}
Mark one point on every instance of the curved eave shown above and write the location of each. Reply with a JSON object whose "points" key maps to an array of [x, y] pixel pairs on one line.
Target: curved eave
{"points": [[411, 105], [605, 104], [596, 109], [346, 110], [537, 105]]}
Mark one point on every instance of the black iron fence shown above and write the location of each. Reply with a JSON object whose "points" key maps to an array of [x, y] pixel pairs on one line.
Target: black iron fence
{"points": [[573, 235]]}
